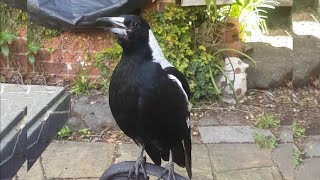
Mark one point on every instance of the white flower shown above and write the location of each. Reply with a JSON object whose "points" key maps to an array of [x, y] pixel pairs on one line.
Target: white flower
{"points": [[190, 23], [83, 63], [69, 66]]}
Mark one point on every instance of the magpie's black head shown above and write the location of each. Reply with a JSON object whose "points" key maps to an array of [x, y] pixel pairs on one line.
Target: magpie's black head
{"points": [[129, 29]]}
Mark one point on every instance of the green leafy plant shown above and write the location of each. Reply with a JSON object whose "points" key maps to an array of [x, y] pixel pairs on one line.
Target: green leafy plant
{"points": [[265, 141], [6, 39], [105, 62], [174, 30], [251, 15], [267, 121], [82, 82], [297, 157], [32, 50], [12, 20], [85, 131], [65, 131], [298, 132]]}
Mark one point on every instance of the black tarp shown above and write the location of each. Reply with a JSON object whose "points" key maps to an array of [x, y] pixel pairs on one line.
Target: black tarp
{"points": [[74, 15]]}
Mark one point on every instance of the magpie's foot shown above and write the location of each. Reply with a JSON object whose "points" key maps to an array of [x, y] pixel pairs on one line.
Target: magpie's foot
{"points": [[170, 170], [140, 163]]}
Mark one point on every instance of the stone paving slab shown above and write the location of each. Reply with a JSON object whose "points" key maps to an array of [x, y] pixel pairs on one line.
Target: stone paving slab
{"points": [[91, 111], [230, 134], [34, 173], [77, 159], [312, 146], [308, 170], [82, 160], [282, 156], [201, 167], [230, 118], [268, 173], [285, 135], [228, 157]]}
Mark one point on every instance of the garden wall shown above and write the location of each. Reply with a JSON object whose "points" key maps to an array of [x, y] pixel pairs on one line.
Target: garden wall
{"points": [[60, 59]]}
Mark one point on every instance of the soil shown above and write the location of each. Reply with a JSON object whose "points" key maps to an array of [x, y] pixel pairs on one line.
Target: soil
{"points": [[285, 104]]}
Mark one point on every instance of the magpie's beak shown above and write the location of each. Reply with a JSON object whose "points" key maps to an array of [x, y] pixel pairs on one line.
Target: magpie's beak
{"points": [[115, 25]]}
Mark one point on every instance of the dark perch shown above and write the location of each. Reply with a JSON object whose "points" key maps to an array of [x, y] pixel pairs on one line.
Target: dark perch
{"points": [[120, 171]]}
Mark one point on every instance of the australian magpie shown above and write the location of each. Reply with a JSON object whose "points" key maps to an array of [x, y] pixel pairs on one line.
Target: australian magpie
{"points": [[149, 98]]}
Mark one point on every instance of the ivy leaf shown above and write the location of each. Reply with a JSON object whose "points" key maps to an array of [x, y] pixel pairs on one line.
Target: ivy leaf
{"points": [[5, 50], [202, 47], [31, 58]]}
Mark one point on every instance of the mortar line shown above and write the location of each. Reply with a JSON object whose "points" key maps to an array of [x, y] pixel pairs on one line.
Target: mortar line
{"points": [[115, 153], [274, 162], [42, 168], [242, 169], [211, 164]]}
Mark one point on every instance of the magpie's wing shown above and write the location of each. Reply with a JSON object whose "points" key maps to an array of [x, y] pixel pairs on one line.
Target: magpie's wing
{"points": [[163, 111], [187, 139]]}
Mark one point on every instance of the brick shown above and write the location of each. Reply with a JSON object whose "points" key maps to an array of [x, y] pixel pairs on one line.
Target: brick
{"points": [[74, 68], [43, 55], [53, 67], [52, 43], [162, 6], [18, 46], [23, 32], [3, 62], [56, 56], [151, 6], [93, 71], [69, 56], [21, 61]]}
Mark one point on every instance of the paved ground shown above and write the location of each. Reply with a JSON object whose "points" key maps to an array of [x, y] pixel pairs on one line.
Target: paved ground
{"points": [[221, 158]]}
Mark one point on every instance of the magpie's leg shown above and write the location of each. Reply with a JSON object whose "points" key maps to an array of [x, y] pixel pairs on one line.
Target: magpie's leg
{"points": [[169, 169], [140, 163]]}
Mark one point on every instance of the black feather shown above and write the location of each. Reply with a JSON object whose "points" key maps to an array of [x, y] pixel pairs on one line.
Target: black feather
{"points": [[148, 106]]}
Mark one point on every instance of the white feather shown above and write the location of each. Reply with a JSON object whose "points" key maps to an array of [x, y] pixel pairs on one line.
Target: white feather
{"points": [[157, 54], [175, 79]]}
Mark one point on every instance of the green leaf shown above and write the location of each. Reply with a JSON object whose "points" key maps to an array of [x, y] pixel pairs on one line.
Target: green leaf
{"points": [[208, 3], [202, 47], [33, 49], [5, 50], [31, 58], [65, 131], [238, 3]]}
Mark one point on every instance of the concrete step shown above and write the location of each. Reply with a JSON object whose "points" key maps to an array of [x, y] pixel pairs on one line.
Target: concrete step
{"points": [[32, 115]]}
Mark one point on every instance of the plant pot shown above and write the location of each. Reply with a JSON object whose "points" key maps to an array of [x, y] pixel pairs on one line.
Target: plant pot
{"points": [[231, 30], [236, 45]]}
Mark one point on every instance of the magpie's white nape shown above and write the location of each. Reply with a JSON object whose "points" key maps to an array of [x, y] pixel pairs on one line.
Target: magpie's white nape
{"points": [[148, 97]]}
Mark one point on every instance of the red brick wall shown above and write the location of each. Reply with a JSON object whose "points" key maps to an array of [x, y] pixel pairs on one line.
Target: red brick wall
{"points": [[70, 49], [158, 5]]}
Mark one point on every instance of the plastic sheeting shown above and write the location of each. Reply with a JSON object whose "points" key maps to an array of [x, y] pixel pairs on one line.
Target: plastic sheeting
{"points": [[74, 15]]}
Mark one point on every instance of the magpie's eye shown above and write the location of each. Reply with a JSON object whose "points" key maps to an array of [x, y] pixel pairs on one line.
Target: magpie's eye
{"points": [[135, 24]]}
